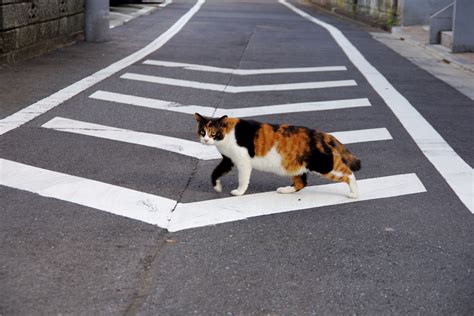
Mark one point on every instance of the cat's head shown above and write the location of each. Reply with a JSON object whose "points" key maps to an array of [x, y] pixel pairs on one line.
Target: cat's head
{"points": [[211, 130]]}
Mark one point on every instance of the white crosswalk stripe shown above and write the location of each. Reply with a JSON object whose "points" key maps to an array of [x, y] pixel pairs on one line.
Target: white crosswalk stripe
{"points": [[174, 216], [182, 146], [242, 72], [236, 112], [137, 205], [238, 89]]}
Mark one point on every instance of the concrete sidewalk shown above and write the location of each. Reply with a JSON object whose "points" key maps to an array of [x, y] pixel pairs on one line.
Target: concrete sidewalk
{"points": [[119, 15], [457, 70]]}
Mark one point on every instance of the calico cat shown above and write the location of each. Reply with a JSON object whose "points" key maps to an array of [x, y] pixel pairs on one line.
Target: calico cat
{"points": [[282, 149]]}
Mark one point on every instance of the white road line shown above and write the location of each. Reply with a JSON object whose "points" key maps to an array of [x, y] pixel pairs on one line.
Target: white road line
{"points": [[238, 89], [238, 112], [293, 108], [191, 215], [133, 204], [363, 135], [182, 146], [176, 145], [242, 72], [34, 110], [457, 173], [167, 213], [164, 4]]}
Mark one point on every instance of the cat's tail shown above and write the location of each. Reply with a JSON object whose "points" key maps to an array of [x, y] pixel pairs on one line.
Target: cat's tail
{"points": [[347, 157]]}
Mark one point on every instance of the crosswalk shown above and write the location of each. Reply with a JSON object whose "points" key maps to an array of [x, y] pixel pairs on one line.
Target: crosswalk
{"points": [[173, 214]]}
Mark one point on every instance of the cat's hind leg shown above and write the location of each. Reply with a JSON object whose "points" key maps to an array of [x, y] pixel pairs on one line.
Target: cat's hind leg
{"points": [[353, 187], [344, 174], [222, 168], [299, 182]]}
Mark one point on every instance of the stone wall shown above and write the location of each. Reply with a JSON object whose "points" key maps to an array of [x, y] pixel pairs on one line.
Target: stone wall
{"points": [[383, 13], [31, 27]]}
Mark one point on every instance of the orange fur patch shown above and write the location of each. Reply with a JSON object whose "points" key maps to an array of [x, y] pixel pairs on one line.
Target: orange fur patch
{"points": [[292, 146], [298, 183], [264, 140], [229, 124]]}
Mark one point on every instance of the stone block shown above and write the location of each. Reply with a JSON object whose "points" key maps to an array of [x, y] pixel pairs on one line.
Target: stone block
{"points": [[17, 14], [75, 23], [12, 1], [47, 9], [47, 30], [71, 7], [8, 41], [71, 24]]}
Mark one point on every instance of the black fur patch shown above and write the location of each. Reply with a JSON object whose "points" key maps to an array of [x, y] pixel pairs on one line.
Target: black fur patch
{"points": [[355, 165], [304, 179], [318, 161], [222, 168], [245, 132]]}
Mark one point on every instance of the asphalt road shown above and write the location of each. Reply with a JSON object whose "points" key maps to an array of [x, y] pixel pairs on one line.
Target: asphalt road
{"points": [[69, 245]]}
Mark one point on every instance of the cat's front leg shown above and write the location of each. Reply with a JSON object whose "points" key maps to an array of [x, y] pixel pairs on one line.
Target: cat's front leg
{"points": [[222, 168], [245, 170]]}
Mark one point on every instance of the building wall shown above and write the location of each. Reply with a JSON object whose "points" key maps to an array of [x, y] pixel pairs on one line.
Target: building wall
{"points": [[31, 27], [418, 12], [379, 12]]}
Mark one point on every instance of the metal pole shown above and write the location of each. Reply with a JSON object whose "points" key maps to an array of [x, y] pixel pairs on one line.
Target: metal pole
{"points": [[97, 20]]}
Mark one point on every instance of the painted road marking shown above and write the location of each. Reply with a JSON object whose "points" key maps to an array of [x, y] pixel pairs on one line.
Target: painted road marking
{"points": [[167, 213], [133, 204], [237, 112], [242, 72], [164, 4], [34, 110], [457, 173], [172, 144], [238, 89], [182, 146], [197, 214]]}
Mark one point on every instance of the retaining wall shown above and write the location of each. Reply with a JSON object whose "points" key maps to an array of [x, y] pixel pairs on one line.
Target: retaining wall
{"points": [[31, 27], [383, 13]]}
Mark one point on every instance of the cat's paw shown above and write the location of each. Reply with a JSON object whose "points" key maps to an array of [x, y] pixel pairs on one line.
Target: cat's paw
{"points": [[286, 190], [237, 192], [353, 195], [218, 186]]}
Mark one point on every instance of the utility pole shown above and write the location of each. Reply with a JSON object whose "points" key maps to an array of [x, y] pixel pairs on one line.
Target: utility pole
{"points": [[97, 20]]}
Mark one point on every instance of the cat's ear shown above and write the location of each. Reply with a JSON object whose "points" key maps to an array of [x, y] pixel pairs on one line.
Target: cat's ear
{"points": [[222, 118], [199, 118]]}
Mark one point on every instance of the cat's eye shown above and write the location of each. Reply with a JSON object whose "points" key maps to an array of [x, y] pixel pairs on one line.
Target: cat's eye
{"points": [[213, 134], [202, 132]]}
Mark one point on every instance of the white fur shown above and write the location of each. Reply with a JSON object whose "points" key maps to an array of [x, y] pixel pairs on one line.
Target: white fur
{"points": [[218, 186], [337, 174], [271, 162], [353, 187], [241, 159], [285, 190]]}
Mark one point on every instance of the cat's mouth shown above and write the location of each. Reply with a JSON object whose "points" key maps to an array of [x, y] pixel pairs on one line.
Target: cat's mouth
{"points": [[208, 142]]}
